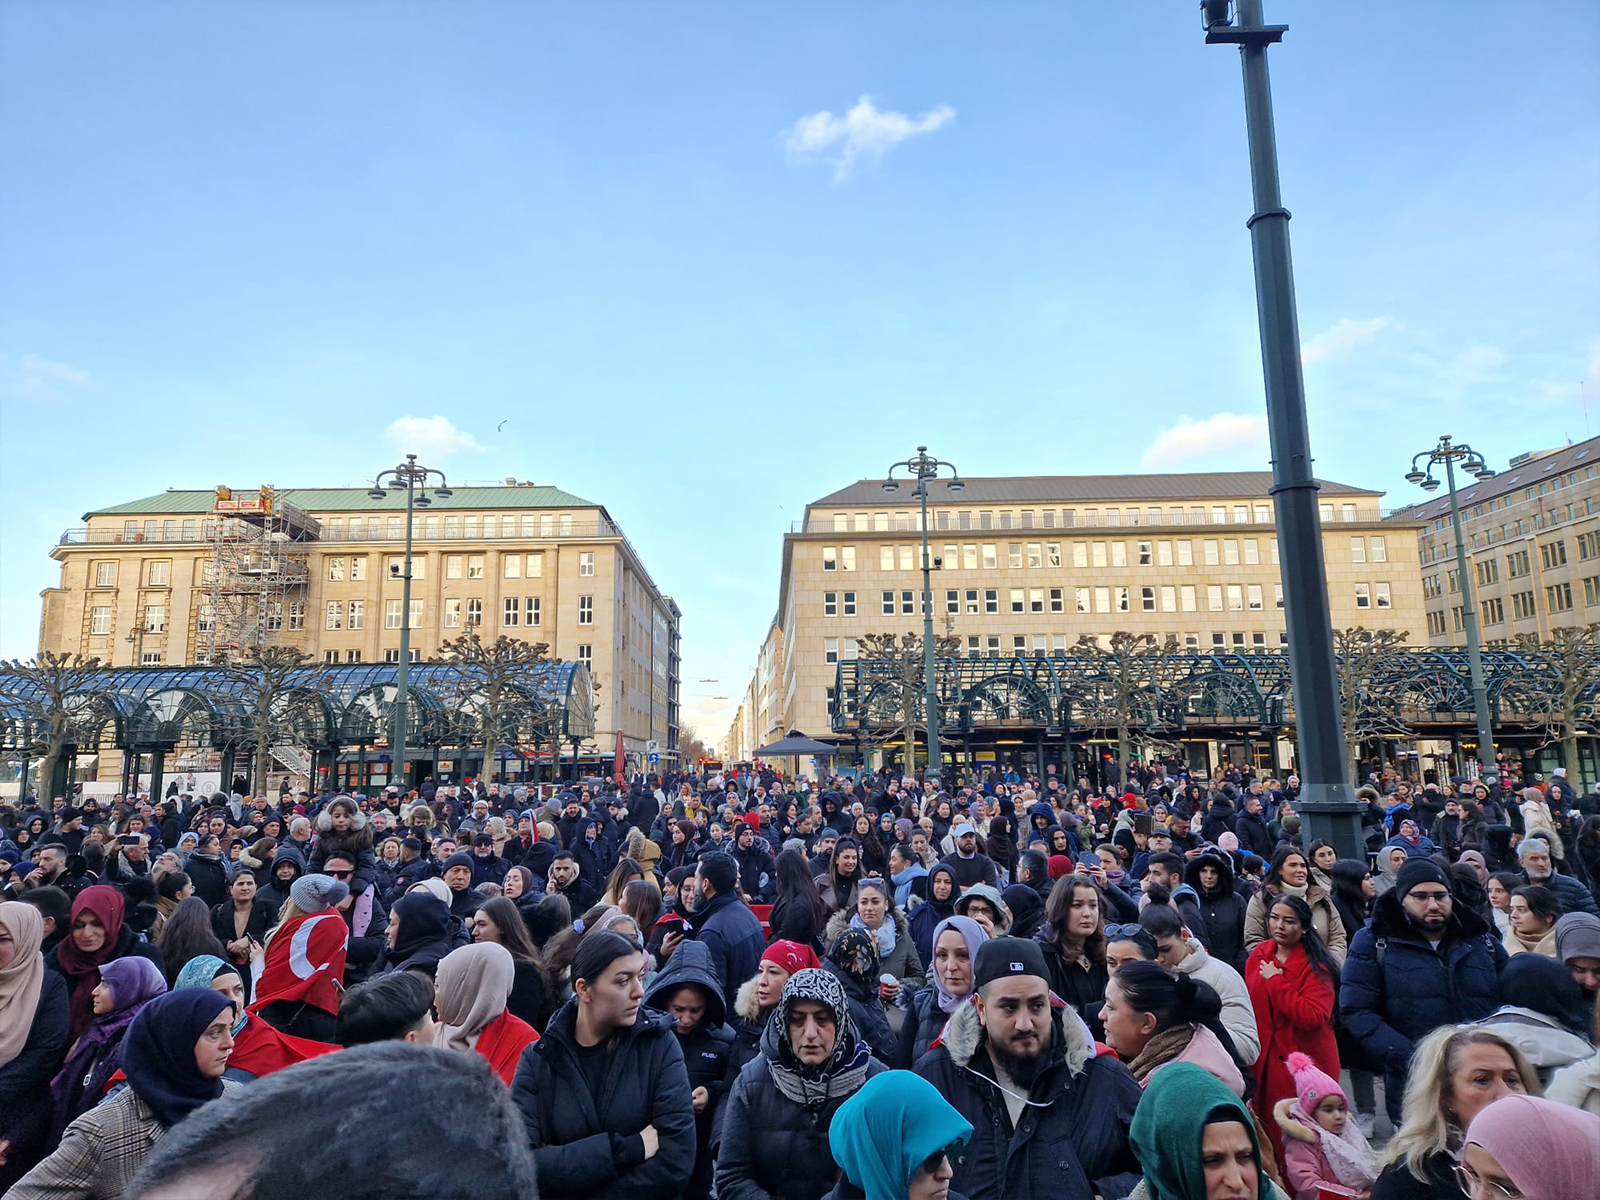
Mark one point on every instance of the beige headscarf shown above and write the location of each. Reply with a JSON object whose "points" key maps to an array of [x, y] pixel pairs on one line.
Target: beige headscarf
{"points": [[473, 985], [21, 981]]}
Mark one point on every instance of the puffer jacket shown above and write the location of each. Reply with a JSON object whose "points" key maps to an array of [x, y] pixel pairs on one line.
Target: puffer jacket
{"points": [[868, 1013], [586, 1145], [925, 1021], [1573, 895], [1223, 908], [272, 893], [903, 962], [1076, 1137], [1395, 987], [1540, 1037]]}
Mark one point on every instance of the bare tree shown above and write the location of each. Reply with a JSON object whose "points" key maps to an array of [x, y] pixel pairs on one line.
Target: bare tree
{"points": [[1560, 694], [46, 699], [898, 682], [499, 693], [1368, 660], [1120, 688], [269, 680], [690, 747]]}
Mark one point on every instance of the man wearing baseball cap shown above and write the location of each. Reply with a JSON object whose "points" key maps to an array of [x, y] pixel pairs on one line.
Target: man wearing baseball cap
{"points": [[970, 866], [1050, 1116]]}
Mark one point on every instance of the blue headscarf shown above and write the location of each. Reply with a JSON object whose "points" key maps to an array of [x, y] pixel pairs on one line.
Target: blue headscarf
{"points": [[884, 1133], [201, 971], [158, 1052]]}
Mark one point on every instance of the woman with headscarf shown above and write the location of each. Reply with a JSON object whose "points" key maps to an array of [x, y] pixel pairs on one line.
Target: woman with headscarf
{"points": [[943, 891], [955, 948], [892, 1140], [258, 1048], [471, 988], [174, 1055], [125, 987], [421, 933], [303, 961], [1532, 1148], [757, 996], [775, 1127], [853, 959], [33, 1035], [604, 1095], [96, 936], [1195, 1141]]}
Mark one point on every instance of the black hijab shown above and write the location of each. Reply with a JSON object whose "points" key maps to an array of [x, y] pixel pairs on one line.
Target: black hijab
{"points": [[158, 1052], [423, 919]]}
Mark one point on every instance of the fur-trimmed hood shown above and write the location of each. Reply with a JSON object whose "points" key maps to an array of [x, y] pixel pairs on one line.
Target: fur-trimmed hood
{"points": [[744, 1001], [1290, 1122], [963, 1034], [840, 921]]}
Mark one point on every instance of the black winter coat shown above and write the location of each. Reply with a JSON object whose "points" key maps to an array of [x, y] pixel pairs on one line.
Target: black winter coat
{"points": [[587, 1145], [1254, 836], [1083, 988], [727, 928], [26, 1078], [1222, 907], [209, 876], [871, 1019], [924, 1022], [1388, 1005], [1059, 1151]]}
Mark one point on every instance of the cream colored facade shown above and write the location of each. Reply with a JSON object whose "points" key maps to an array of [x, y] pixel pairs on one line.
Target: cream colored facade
{"points": [[1028, 566], [1532, 537], [526, 561]]}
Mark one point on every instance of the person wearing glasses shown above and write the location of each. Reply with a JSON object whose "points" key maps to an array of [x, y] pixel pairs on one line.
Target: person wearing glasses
{"points": [[895, 1139], [1528, 1148], [364, 916], [1422, 962]]}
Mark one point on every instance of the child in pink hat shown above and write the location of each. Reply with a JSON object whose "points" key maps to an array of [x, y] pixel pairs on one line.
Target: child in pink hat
{"points": [[1322, 1146]]}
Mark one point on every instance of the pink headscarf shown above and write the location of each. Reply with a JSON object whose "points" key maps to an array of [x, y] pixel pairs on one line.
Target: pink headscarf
{"points": [[1551, 1151]]}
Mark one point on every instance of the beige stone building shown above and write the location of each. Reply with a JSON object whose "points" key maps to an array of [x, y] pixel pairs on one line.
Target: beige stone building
{"points": [[1533, 546], [170, 579], [1027, 566]]}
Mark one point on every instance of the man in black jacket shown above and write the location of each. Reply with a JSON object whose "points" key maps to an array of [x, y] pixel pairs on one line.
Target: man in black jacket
{"points": [[724, 924], [758, 870], [1049, 1116], [1251, 828]]}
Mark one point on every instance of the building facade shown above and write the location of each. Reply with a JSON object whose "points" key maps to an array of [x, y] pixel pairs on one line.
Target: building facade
{"points": [[1025, 567], [1533, 546], [154, 581]]}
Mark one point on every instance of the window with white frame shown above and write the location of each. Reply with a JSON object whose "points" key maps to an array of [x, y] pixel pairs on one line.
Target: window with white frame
{"points": [[511, 612], [391, 614], [511, 566], [475, 566], [1379, 550], [1358, 549], [1214, 597], [888, 603], [336, 570], [1186, 594], [532, 611], [334, 616], [297, 615], [1380, 595], [585, 610], [474, 617], [1253, 597], [847, 558], [105, 574], [160, 573], [830, 558], [452, 613], [830, 650], [1363, 595], [155, 618], [452, 566], [586, 562], [586, 655]]}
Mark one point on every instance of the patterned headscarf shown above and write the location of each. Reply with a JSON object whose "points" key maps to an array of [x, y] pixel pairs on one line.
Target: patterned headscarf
{"points": [[201, 971], [856, 954], [812, 1087]]}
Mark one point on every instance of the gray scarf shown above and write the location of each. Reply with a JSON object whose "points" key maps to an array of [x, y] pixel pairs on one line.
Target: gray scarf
{"points": [[846, 1068]]}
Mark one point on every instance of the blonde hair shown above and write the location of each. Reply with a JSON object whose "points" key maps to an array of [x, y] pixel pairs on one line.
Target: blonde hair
{"points": [[1425, 1129], [287, 913]]}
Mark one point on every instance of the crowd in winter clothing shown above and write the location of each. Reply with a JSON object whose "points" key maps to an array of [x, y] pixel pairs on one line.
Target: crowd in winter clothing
{"points": [[748, 987]]}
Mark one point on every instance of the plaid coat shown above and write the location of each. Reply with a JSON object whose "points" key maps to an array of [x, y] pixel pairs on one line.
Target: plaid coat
{"points": [[99, 1153]]}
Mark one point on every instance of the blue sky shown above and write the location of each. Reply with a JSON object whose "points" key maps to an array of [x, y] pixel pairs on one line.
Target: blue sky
{"points": [[239, 241]]}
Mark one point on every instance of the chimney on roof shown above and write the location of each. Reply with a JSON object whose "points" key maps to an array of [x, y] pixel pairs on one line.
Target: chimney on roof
{"points": [[511, 481]]}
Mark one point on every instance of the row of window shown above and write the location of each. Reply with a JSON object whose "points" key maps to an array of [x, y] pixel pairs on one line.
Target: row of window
{"points": [[1511, 529], [351, 614], [993, 645], [392, 655], [1070, 518], [973, 556], [433, 525], [1220, 597], [456, 566], [157, 573]]}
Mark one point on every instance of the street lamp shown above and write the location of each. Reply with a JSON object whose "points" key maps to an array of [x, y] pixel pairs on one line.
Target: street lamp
{"points": [[1450, 453], [413, 478], [923, 468], [1326, 803]]}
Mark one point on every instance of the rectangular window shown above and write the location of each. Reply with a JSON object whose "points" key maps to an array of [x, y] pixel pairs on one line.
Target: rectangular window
{"points": [[1146, 554], [1081, 599], [1122, 600], [991, 558], [1591, 591], [1235, 598], [1588, 546], [969, 556], [105, 574], [908, 558], [1272, 548], [391, 614], [1052, 554], [1186, 553], [335, 615], [512, 612], [952, 601], [991, 600], [1214, 597], [907, 603], [1212, 557], [1169, 599], [1558, 597], [160, 574], [155, 618], [356, 614], [511, 566], [1102, 600], [1230, 552], [1058, 601], [1163, 554], [1277, 595], [1019, 644], [475, 566], [1252, 593], [847, 558], [1363, 596], [1080, 554], [330, 656], [1186, 595], [586, 562], [888, 604], [1014, 555], [830, 650], [1098, 555], [1358, 549], [992, 645], [1119, 554], [336, 568], [452, 614], [531, 611], [1147, 599], [452, 566], [358, 568], [848, 603], [1378, 550], [474, 612], [830, 558], [1036, 600], [972, 600], [1016, 600], [1493, 611], [1035, 555], [534, 567], [830, 604], [585, 610], [297, 615]]}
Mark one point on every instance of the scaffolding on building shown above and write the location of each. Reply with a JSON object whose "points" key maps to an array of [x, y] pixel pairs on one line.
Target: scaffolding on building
{"points": [[256, 576]]}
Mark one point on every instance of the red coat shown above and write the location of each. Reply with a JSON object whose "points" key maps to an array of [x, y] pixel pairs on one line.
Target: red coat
{"points": [[502, 1042], [1294, 1011]]}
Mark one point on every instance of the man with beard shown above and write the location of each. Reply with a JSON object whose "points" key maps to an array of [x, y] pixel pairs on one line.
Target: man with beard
{"points": [[1050, 1117]]}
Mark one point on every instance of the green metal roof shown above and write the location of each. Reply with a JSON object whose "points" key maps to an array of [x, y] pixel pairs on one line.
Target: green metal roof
{"points": [[317, 500]]}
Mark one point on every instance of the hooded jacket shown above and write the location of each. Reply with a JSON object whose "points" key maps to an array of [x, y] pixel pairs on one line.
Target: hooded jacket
{"points": [[1396, 987], [1078, 1136], [272, 893], [587, 1145], [1238, 1013], [1223, 908]]}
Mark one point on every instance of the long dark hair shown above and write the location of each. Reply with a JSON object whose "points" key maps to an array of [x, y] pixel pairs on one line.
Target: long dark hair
{"points": [[1346, 876], [1176, 1000], [797, 891], [513, 933], [1310, 940], [188, 934], [1059, 905], [1280, 856]]}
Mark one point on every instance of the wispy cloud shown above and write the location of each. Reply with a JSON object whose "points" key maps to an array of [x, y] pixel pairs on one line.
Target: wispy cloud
{"points": [[435, 435], [863, 131], [1242, 435], [1344, 337], [38, 380]]}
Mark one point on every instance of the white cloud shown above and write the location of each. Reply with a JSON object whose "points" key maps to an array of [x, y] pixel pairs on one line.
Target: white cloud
{"points": [[1242, 435], [38, 379], [1344, 337], [424, 436], [864, 130]]}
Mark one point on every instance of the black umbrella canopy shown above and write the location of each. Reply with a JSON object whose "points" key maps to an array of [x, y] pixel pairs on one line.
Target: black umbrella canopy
{"points": [[795, 743]]}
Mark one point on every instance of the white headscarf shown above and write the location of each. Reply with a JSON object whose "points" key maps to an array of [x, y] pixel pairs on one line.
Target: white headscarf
{"points": [[473, 985]]}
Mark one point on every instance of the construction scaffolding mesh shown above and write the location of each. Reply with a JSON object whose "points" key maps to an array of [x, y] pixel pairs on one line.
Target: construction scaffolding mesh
{"points": [[256, 577]]}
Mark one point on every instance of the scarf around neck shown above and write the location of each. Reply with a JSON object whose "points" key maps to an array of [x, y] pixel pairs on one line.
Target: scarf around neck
{"points": [[884, 933], [813, 1087]]}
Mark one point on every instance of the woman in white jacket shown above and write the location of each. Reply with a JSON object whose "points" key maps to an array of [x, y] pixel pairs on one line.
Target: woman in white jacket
{"points": [[1179, 952]]}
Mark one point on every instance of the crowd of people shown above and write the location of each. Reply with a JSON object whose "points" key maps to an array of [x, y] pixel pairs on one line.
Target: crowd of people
{"points": [[754, 988]]}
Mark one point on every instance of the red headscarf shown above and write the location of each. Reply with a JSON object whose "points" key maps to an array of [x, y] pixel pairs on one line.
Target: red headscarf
{"points": [[791, 956], [83, 970]]}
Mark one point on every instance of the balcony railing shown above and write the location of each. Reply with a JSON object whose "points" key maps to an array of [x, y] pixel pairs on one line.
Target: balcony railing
{"points": [[370, 532], [1076, 523]]}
